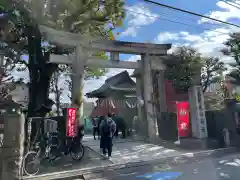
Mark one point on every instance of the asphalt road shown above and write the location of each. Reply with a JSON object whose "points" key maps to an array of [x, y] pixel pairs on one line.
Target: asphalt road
{"points": [[209, 168]]}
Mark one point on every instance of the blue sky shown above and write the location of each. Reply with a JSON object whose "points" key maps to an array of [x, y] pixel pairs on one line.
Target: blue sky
{"points": [[149, 32], [150, 23]]}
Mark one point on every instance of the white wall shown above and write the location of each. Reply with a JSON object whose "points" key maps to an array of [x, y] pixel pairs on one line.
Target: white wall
{"points": [[20, 94]]}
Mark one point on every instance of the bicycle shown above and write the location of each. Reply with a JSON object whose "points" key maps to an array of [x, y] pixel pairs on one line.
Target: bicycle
{"points": [[31, 162], [72, 147], [52, 149]]}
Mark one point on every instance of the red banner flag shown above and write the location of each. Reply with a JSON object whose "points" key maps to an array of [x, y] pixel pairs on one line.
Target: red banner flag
{"points": [[184, 128], [71, 122]]}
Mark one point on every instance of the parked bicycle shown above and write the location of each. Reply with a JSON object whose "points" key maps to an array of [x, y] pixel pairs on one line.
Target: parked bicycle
{"points": [[31, 161], [50, 148], [72, 147]]}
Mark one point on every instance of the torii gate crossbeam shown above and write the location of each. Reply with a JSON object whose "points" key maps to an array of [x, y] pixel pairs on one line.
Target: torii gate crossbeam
{"points": [[151, 58]]}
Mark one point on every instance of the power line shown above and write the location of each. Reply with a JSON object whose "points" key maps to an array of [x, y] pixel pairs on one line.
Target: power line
{"points": [[167, 15], [176, 22], [234, 2], [177, 16], [231, 4], [182, 17], [189, 12]]}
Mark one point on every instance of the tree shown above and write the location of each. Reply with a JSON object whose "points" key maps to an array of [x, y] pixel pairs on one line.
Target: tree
{"points": [[56, 90], [19, 30], [187, 71], [211, 72], [193, 69], [7, 66], [70, 15], [233, 49]]}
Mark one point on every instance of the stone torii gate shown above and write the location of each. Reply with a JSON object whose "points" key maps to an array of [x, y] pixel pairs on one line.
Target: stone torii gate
{"points": [[152, 57]]}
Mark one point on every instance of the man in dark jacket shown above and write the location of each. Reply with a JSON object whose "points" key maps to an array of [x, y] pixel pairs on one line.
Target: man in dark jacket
{"points": [[107, 130], [95, 127], [121, 125]]}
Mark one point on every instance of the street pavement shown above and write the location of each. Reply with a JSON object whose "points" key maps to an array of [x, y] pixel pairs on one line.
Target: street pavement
{"points": [[127, 151], [208, 168], [133, 160]]}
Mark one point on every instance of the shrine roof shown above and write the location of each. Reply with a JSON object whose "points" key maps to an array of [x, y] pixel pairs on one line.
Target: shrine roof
{"points": [[120, 82]]}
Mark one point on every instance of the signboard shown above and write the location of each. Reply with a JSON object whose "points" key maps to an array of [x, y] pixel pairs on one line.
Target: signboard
{"points": [[184, 128], [71, 122], [197, 108], [201, 118]]}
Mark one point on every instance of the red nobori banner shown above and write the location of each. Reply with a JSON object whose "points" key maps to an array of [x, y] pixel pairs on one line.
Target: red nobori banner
{"points": [[184, 128], [71, 122]]}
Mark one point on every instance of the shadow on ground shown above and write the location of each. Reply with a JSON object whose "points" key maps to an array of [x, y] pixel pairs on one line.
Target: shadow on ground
{"points": [[91, 159], [224, 167]]}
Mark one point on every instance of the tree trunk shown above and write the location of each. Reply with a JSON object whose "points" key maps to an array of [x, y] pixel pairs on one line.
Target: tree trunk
{"points": [[57, 93], [40, 73], [205, 84]]}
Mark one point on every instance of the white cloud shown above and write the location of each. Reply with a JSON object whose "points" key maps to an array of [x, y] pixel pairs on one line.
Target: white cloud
{"points": [[228, 12], [130, 31], [138, 16], [190, 37], [166, 36], [208, 43]]}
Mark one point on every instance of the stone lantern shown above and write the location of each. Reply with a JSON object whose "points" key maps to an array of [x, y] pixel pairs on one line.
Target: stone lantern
{"points": [[13, 143]]}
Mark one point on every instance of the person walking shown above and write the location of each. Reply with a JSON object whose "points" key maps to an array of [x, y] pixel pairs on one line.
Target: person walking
{"points": [[95, 127], [107, 130], [100, 120], [115, 119]]}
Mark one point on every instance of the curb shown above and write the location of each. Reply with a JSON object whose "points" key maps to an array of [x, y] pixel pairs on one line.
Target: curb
{"points": [[186, 157]]}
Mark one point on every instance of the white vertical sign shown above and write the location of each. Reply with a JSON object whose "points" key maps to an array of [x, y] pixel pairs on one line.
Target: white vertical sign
{"points": [[193, 107], [201, 118], [198, 118]]}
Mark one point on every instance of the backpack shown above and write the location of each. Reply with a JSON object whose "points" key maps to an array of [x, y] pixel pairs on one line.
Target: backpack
{"points": [[106, 129]]}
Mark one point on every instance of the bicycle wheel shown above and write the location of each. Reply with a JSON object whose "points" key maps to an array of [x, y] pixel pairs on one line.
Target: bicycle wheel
{"points": [[51, 153], [31, 163], [77, 152]]}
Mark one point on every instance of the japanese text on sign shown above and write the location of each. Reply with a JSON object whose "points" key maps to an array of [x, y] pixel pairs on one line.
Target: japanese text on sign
{"points": [[184, 129], [72, 122], [201, 113]]}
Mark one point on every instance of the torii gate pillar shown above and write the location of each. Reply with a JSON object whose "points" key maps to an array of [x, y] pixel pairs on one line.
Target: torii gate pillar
{"points": [[151, 113], [77, 81], [147, 96], [81, 59]]}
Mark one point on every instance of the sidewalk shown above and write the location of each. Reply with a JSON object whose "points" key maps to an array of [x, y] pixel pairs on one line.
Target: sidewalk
{"points": [[127, 151], [91, 159], [126, 154]]}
